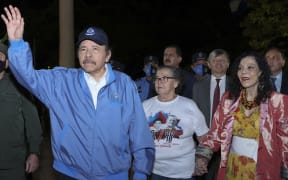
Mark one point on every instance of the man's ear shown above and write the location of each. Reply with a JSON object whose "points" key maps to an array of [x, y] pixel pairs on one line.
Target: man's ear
{"points": [[180, 59], [109, 53], [283, 63], [208, 63], [176, 84], [259, 74], [6, 63]]}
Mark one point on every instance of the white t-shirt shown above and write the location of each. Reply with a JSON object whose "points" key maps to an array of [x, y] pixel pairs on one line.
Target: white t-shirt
{"points": [[172, 125]]}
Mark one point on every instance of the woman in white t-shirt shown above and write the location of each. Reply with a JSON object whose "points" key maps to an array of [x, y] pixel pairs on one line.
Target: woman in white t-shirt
{"points": [[173, 120]]}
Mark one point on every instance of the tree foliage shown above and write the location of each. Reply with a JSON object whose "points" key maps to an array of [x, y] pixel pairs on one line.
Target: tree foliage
{"points": [[266, 23]]}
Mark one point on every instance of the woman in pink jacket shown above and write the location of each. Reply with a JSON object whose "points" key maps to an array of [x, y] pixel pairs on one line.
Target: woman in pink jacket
{"points": [[250, 126]]}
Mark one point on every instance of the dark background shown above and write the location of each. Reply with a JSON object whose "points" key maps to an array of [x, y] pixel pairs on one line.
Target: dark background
{"points": [[136, 28]]}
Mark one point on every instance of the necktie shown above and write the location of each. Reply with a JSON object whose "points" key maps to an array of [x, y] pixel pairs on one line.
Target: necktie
{"points": [[273, 79], [216, 97]]}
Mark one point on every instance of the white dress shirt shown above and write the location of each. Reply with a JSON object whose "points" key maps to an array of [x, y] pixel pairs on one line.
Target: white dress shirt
{"points": [[278, 81], [95, 86]]}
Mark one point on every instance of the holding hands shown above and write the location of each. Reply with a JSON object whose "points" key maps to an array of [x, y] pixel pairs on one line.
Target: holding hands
{"points": [[14, 22], [201, 166]]}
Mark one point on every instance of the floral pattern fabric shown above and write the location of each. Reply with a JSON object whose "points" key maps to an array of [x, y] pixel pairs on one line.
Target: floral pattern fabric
{"points": [[273, 137], [241, 167]]}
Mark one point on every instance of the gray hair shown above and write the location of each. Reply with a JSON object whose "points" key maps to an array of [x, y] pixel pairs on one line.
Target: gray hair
{"points": [[217, 52], [176, 73]]}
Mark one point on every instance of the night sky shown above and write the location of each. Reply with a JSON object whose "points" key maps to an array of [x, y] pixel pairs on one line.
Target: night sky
{"points": [[136, 28]]}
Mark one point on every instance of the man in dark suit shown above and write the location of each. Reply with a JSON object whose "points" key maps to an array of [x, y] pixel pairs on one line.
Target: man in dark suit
{"points": [[218, 62], [276, 62], [203, 95], [172, 56]]}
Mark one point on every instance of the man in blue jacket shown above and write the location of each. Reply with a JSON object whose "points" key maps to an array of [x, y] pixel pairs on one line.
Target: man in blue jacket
{"points": [[97, 119], [145, 85]]}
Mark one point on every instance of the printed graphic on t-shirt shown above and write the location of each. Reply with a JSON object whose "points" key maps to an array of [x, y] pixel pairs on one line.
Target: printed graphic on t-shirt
{"points": [[164, 128]]}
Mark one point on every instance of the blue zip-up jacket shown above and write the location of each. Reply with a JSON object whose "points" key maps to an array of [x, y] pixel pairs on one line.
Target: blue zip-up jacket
{"points": [[143, 87], [89, 143]]}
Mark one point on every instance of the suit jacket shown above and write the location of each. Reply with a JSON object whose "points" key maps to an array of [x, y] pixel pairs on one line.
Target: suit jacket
{"points": [[284, 84], [188, 81], [201, 95]]}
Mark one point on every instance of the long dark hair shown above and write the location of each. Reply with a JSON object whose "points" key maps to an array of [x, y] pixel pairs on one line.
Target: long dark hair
{"points": [[264, 87]]}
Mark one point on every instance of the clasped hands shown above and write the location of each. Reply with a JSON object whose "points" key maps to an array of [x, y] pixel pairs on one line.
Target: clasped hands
{"points": [[201, 164]]}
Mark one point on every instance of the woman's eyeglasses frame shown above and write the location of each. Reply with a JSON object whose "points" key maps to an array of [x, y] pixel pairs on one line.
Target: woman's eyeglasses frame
{"points": [[163, 79]]}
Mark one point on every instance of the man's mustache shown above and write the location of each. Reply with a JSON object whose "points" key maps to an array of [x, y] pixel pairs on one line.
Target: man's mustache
{"points": [[88, 61]]}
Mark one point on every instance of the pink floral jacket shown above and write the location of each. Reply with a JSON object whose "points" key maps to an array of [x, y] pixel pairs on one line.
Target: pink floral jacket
{"points": [[272, 162]]}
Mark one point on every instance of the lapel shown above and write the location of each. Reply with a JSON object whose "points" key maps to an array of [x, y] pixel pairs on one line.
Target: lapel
{"points": [[228, 80], [284, 83], [206, 86], [202, 97]]}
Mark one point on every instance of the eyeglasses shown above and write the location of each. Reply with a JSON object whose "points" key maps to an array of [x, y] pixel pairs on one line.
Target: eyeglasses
{"points": [[163, 79]]}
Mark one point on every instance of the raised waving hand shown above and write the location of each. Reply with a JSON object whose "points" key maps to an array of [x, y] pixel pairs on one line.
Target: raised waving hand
{"points": [[14, 22]]}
